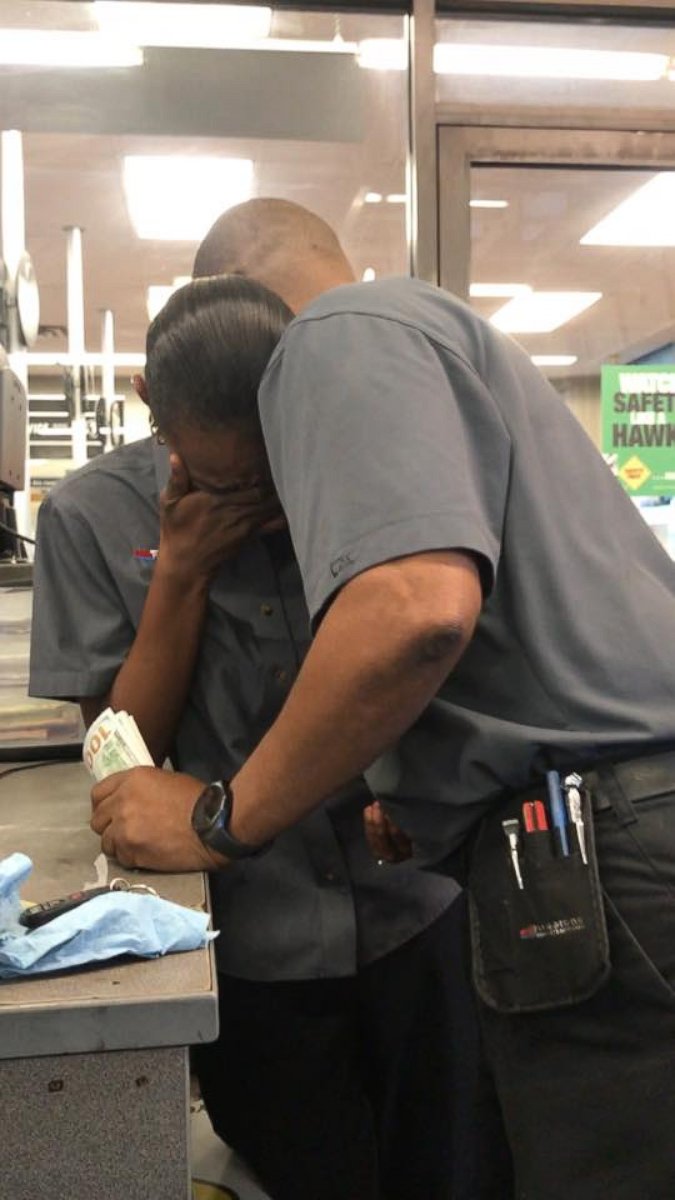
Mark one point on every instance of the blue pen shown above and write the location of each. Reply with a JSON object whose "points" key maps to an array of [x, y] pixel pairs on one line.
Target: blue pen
{"points": [[558, 813]]}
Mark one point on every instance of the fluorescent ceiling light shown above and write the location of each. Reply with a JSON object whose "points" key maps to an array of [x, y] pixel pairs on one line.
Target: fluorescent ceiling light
{"points": [[542, 312], [336, 45], [647, 218], [56, 359], [59, 48], [382, 54], [216, 26], [497, 291], [158, 294], [391, 198], [551, 62], [548, 62], [368, 275], [554, 360], [488, 203], [177, 198], [156, 297]]}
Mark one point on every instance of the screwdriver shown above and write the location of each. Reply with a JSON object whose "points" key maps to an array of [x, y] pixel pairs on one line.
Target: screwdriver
{"points": [[573, 796], [512, 831]]}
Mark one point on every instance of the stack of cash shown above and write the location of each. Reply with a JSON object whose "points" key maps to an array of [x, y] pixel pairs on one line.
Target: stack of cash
{"points": [[114, 743]]}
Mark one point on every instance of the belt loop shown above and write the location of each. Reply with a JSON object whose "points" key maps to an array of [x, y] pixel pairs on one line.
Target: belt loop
{"points": [[623, 809]]}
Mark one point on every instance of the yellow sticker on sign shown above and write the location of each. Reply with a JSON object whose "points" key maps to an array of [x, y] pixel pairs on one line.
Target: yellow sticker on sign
{"points": [[634, 472]]}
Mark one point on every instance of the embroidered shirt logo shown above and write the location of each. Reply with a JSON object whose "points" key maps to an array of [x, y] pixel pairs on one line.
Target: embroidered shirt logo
{"points": [[544, 929], [147, 555], [340, 564]]}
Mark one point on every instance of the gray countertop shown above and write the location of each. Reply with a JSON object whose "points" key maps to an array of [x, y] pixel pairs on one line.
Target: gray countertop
{"points": [[168, 1001]]}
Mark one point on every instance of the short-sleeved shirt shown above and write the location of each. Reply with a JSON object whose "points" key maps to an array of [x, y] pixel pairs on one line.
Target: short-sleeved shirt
{"points": [[397, 421], [316, 905]]}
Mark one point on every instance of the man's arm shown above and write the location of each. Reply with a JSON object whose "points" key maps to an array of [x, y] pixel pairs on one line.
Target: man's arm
{"points": [[387, 643], [384, 647]]}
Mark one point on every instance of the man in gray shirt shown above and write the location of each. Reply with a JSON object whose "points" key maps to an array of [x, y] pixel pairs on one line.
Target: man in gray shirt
{"points": [[487, 606], [321, 1078]]}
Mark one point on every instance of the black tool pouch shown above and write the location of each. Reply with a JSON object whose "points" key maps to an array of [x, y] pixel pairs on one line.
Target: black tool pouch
{"points": [[545, 945]]}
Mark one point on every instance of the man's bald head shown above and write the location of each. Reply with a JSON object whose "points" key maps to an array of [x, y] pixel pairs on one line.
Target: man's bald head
{"points": [[289, 249]]}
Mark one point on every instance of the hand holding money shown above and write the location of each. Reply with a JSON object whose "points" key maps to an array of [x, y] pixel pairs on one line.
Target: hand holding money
{"points": [[114, 743], [144, 818]]}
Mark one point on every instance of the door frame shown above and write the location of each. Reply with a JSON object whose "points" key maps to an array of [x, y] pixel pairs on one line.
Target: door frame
{"points": [[462, 146]]}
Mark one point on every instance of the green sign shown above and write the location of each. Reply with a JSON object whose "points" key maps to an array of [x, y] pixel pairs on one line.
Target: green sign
{"points": [[638, 427]]}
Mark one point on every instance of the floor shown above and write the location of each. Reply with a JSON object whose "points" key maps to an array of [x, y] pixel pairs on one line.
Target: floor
{"points": [[217, 1173]]}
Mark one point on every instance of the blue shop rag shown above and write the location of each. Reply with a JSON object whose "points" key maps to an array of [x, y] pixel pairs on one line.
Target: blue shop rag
{"points": [[109, 925]]}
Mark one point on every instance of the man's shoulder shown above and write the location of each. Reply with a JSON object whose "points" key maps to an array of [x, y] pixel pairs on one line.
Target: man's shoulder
{"points": [[422, 307], [128, 467], [395, 297]]}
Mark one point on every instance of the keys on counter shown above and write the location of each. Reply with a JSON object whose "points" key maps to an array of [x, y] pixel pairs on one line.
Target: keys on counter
{"points": [[40, 914]]}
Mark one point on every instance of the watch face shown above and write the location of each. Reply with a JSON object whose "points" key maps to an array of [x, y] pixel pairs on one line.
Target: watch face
{"points": [[207, 808]]}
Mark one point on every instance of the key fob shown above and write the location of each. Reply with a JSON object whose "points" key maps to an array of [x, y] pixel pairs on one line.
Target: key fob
{"points": [[40, 914]]}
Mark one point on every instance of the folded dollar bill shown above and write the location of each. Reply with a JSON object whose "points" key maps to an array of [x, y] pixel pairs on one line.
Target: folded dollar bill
{"points": [[114, 743]]}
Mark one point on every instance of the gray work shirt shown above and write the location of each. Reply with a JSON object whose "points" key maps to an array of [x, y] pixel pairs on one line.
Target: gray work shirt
{"points": [[316, 905], [397, 421]]}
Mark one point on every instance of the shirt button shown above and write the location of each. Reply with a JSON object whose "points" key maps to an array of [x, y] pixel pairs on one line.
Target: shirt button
{"points": [[329, 876], [280, 675], [266, 610]]}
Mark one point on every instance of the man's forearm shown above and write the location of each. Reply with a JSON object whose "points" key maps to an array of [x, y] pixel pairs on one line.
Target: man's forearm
{"points": [[370, 673], [154, 681]]}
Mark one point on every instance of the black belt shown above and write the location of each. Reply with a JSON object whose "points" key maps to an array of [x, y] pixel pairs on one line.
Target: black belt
{"points": [[637, 778]]}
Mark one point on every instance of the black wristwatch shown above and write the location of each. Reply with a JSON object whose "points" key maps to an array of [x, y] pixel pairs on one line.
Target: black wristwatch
{"points": [[211, 817]]}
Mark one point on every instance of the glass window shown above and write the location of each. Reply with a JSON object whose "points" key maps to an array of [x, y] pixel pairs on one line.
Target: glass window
{"points": [[560, 67], [140, 123]]}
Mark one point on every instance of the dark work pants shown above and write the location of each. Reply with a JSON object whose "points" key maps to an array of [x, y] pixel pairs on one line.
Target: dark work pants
{"points": [[367, 1088], [588, 1092]]}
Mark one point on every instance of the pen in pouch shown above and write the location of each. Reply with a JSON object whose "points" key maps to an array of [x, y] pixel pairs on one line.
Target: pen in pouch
{"points": [[558, 812], [528, 817], [536, 845], [534, 817]]}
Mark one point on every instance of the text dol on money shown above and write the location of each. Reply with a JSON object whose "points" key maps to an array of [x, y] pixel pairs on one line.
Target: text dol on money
{"points": [[114, 743]]}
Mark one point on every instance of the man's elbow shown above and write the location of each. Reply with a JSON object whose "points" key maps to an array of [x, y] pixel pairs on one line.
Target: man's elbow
{"points": [[425, 606], [439, 643]]}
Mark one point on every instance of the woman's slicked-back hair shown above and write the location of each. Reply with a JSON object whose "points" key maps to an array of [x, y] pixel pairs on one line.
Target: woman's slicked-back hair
{"points": [[206, 352]]}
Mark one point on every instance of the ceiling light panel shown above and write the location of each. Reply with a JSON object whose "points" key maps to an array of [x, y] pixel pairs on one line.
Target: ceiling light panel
{"points": [[177, 198], [59, 359], [554, 360], [547, 62], [497, 291], [543, 62], [542, 312], [158, 293], [644, 219], [59, 48], [382, 54], [213, 26]]}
